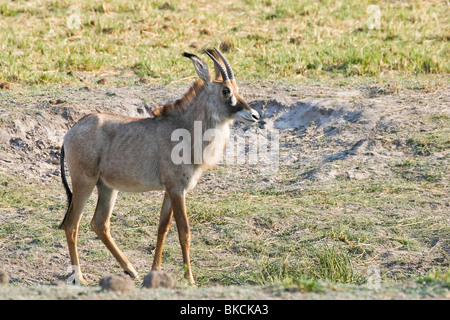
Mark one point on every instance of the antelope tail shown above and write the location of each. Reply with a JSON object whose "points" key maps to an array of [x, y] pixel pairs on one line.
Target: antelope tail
{"points": [[66, 187]]}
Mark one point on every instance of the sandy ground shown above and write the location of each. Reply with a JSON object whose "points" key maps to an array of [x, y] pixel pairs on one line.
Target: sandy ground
{"points": [[352, 120]]}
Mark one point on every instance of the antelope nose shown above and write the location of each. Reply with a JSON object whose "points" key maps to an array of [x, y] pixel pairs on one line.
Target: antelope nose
{"points": [[255, 115]]}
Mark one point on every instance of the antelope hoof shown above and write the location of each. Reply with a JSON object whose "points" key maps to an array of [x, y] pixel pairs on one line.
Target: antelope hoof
{"points": [[133, 274], [77, 282], [190, 278]]}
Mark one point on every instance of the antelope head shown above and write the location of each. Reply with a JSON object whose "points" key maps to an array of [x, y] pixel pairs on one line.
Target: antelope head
{"points": [[223, 100]]}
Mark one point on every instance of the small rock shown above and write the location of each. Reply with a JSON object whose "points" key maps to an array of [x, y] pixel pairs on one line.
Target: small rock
{"points": [[40, 144], [158, 279], [102, 81], [16, 142], [4, 277], [120, 283]]}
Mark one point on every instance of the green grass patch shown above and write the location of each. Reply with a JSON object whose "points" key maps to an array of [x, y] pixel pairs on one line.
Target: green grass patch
{"points": [[54, 43], [436, 277], [298, 240]]}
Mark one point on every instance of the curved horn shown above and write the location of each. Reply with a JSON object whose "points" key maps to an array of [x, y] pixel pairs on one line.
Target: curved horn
{"points": [[227, 65], [222, 70]]}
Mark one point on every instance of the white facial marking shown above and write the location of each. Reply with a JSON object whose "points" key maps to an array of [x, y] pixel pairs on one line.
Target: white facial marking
{"points": [[233, 100]]}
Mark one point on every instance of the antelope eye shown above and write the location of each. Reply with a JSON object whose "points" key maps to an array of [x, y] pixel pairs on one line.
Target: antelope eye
{"points": [[226, 91]]}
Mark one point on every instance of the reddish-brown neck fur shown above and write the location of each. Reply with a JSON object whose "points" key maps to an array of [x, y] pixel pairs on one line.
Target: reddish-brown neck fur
{"points": [[181, 104]]}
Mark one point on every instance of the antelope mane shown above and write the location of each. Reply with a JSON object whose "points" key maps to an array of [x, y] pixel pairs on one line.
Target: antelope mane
{"points": [[180, 105]]}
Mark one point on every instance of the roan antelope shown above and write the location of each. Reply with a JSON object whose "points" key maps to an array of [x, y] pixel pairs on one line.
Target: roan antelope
{"points": [[119, 153]]}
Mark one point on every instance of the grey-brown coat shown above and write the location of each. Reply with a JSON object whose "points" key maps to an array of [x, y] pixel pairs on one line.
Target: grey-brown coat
{"points": [[118, 153]]}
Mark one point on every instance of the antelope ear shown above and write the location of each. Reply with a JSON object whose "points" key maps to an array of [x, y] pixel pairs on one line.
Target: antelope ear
{"points": [[200, 67]]}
